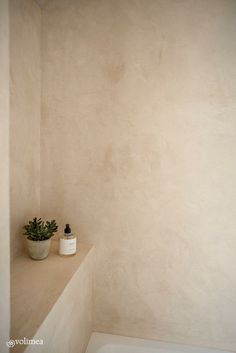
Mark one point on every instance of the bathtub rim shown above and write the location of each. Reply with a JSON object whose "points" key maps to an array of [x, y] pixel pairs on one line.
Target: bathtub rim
{"points": [[102, 339]]}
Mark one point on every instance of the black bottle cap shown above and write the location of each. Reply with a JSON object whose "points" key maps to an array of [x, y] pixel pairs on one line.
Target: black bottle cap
{"points": [[67, 229]]}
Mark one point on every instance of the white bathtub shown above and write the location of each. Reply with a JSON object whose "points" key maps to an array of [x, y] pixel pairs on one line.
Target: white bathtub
{"points": [[104, 343]]}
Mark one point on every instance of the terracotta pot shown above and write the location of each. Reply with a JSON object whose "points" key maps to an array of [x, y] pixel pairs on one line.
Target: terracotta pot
{"points": [[38, 250]]}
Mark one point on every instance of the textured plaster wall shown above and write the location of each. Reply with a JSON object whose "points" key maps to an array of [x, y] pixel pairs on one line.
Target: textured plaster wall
{"points": [[4, 178], [138, 154], [25, 96]]}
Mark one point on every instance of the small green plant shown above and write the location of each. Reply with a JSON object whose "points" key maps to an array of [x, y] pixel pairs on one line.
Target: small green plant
{"points": [[39, 230]]}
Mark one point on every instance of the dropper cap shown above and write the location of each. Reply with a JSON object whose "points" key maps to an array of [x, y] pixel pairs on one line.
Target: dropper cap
{"points": [[67, 229]]}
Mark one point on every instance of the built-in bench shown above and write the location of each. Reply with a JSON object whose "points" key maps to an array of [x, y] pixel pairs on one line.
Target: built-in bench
{"points": [[52, 300]]}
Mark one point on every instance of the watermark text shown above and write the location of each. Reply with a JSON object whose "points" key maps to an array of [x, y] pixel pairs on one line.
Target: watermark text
{"points": [[23, 341]]}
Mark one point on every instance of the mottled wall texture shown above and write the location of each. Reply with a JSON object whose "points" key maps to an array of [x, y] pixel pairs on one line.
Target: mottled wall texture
{"points": [[139, 153], [4, 178], [25, 97]]}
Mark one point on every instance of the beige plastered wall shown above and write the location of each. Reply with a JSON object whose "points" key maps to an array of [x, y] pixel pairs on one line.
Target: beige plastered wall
{"points": [[25, 109], [4, 178], [25, 112], [138, 141]]}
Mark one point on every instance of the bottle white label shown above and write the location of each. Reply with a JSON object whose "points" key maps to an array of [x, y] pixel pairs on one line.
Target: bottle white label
{"points": [[67, 246]]}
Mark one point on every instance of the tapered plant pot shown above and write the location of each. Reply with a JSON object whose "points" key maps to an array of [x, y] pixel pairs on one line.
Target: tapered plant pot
{"points": [[38, 250]]}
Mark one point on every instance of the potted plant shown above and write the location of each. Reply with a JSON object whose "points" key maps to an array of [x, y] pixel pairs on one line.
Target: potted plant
{"points": [[39, 235]]}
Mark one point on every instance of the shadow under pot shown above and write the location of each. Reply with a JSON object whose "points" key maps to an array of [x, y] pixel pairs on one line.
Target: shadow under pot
{"points": [[38, 249]]}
